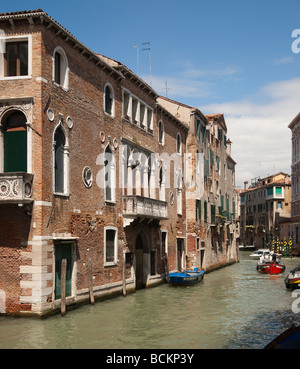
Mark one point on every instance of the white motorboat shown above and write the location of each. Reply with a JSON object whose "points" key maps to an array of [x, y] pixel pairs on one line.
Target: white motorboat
{"points": [[258, 253]]}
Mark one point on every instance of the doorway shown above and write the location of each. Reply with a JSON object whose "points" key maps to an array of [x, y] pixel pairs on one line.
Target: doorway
{"points": [[139, 269], [63, 251], [180, 250]]}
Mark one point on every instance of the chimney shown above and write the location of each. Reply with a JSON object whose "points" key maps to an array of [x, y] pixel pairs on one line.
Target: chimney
{"points": [[246, 185]]}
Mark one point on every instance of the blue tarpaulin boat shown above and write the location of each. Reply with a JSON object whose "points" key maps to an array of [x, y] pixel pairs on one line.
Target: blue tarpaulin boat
{"points": [[186, 277]]}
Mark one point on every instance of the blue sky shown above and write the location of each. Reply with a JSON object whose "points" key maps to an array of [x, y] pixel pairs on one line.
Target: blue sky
{"points": [[231, 57]]}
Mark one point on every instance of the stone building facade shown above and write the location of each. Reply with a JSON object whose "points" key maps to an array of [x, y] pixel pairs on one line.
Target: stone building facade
{"points": [[92, 170]]}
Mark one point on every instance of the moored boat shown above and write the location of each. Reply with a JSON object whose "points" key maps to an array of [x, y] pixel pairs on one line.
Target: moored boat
{"points": [[289, 339], [270, 263], [292, 281], [258, 253], [186, 277]]}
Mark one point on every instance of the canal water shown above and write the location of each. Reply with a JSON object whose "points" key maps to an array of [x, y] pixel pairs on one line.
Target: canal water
{"points": [[234, 307]]}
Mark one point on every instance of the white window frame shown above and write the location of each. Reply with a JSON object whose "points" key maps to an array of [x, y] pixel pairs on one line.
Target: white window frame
{"points": [[66, 191], [112, 171], [147, 123], [166, 242], [161, 124], [110, 263], [64, 68], [22, 38], [112, 98], [179, 152]]}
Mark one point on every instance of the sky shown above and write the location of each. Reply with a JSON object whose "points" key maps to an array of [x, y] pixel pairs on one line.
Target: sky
{"points": [[235, 57]]}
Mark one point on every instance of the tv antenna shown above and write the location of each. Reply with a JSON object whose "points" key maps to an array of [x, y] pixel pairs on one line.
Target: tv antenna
{"points": [[148, 48], [167, 88], [137, 57]]}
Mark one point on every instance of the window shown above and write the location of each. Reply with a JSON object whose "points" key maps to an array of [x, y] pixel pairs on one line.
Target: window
{"points": [[110, 175], [164, 243], [278, 191], [179, 193], [178, 143], [279, 204], [149, 120], [161, 132], [108, 100], [197, 128], [16, 59], [137, 112], [60, 68], [61, 161], [134, 106], [14, 141], [110, 246], [198, 209]]}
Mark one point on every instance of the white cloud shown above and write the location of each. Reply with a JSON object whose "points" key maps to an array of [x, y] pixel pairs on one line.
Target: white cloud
{"points": [[258, 128], [191, 81]]}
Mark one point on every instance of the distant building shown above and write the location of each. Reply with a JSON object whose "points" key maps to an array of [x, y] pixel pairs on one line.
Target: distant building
{"points": [[264, 205]]}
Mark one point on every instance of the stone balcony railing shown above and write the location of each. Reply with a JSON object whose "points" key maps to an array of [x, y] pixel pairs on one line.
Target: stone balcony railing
{"points": [[16, 188], [144, 207]]}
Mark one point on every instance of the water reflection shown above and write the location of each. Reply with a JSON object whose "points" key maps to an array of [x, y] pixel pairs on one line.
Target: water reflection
{"points": [[235, 307]]}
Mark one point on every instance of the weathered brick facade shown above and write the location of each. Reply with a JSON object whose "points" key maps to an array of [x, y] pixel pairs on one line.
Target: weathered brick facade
{"points": [[104, 182]]}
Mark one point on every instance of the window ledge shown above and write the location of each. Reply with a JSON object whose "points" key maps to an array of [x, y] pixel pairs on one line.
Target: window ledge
{"points": [[110, 264], [13, 78], [110, 202], [66, 195]]}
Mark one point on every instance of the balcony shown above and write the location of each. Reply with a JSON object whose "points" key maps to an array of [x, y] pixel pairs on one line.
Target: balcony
{"points": [[16, 188], [144, 207]]}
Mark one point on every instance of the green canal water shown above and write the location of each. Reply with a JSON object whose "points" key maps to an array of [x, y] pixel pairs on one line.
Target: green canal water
{"points": [[234, 307]]}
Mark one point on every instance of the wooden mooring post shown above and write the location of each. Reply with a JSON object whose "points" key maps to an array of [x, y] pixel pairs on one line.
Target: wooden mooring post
{"points": [[124, 274], [63, 275], [92, 300]]}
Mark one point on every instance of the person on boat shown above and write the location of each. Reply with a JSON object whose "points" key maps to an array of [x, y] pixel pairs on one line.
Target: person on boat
{"points": [[274, 258]]}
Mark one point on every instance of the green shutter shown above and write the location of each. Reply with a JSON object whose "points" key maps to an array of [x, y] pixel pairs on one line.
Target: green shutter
{"points": [[198, 209], [213, 213], [205, 210], [15, 151]]}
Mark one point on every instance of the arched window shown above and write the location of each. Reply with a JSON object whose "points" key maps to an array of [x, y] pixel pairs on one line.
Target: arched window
{"points": [[161, 133], [14, 141], [60, 68], [108, 100], [110, 175], [61, 161], [178, 143], [162, 182], [179, 192]]}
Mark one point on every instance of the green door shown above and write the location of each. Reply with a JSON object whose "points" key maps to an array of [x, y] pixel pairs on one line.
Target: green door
{"points": [[63, 251], [15, 151]]}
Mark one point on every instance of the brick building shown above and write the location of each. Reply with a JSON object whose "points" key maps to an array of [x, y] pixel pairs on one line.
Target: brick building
{"points": [[265, 206], [292, 229], [92, 170]]}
